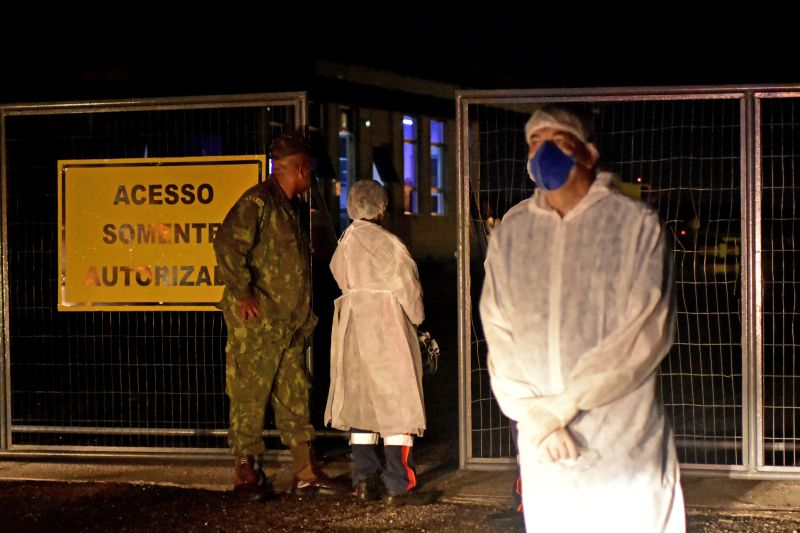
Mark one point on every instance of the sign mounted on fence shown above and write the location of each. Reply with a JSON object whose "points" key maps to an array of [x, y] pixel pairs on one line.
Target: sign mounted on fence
{"points": [[137, 234]]}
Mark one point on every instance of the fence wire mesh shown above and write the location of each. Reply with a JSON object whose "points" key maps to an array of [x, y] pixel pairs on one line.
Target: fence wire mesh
{"points": [[780, 256]]}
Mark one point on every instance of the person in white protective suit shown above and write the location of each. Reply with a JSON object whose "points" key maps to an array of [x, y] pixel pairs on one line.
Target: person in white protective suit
{"points": [[578, 312], [376, 367]]}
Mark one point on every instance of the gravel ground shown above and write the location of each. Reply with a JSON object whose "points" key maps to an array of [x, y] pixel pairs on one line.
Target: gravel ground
{"points": [[745, 521], [49, 506]]}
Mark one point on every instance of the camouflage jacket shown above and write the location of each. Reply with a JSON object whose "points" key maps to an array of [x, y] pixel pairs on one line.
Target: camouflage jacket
{"points": [[262, 250]]}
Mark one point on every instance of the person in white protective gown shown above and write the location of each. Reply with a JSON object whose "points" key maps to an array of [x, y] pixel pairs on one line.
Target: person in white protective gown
{"points": [[376, 367], [578, 312]]}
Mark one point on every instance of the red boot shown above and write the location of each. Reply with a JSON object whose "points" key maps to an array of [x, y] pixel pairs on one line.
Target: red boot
{"points": [[250, 482]]}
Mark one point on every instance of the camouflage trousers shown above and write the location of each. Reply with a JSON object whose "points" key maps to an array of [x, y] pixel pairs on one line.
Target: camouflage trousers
{"points": [[264, 365]]}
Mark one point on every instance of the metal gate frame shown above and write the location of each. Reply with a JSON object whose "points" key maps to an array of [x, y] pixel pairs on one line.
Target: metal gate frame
{"points": [[297, 100], [750, 98], [759, 446]]}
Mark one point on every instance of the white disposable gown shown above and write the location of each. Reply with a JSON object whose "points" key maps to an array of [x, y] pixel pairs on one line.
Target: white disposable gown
{"points": [[376, 368], [578, 312]]}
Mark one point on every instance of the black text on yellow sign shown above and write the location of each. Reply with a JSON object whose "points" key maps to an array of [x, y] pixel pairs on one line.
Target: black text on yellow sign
{"points": [[138, 234]]}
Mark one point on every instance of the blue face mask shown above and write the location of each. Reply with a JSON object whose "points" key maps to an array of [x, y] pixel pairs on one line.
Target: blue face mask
{"points": [[550, 167]]}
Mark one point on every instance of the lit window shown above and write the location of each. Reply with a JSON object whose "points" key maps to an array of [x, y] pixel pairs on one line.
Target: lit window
{"points": [[438, 165], [410, 164], [377, 175], [346, 157]]}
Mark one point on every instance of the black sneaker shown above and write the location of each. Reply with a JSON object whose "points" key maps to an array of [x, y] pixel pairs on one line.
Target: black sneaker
{"points": [[413, 498], [370, 489], [509, 518]]}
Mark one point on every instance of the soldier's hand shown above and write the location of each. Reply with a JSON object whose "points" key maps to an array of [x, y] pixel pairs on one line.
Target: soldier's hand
{"points": [[248, 308]]}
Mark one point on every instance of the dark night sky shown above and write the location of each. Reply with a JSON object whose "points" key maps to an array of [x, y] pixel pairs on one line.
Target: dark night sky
{"points": [[571, 46], [142, 54]]}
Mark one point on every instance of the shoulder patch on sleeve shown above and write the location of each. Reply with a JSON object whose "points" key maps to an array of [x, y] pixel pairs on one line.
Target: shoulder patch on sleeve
{"points": [[253, 198]]}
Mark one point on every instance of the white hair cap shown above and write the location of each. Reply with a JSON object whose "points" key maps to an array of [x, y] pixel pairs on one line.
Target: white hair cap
{"points": [[556, 118], [366, 199]]}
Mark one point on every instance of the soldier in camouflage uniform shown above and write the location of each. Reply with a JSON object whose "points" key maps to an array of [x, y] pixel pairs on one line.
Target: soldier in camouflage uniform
{"points": [[262, 254]]}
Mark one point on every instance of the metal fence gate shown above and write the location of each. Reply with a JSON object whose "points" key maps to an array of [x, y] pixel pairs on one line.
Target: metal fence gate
{"points": [[720, 165], [111, 382]]}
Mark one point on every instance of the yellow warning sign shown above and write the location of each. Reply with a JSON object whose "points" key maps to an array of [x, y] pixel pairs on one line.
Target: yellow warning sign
{"points": [[138, 234]]}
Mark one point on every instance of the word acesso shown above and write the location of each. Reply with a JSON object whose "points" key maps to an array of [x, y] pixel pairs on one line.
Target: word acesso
{"points": [[162, 233], [169, 194]]}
